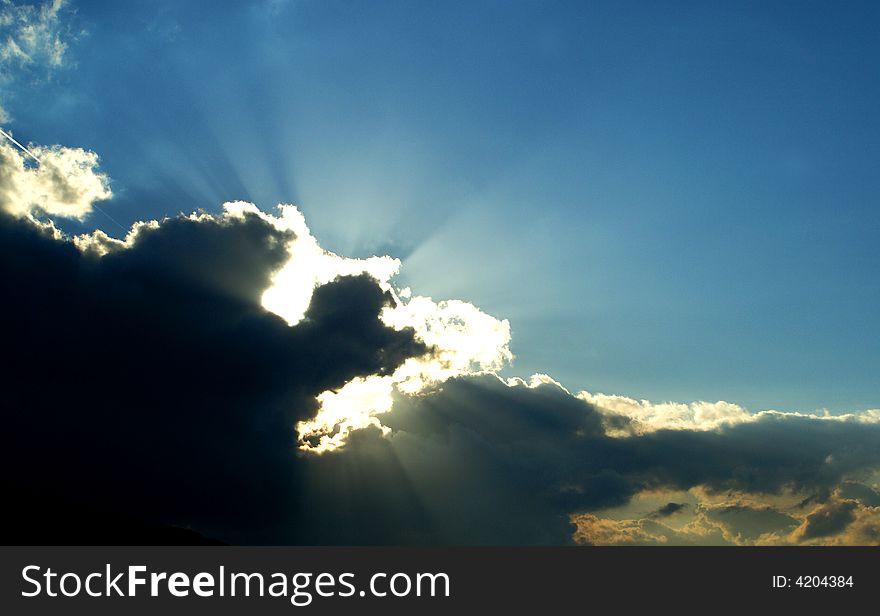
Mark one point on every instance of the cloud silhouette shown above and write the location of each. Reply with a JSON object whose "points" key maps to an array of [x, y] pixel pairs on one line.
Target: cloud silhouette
{"points": [[146, 380], [491, 462], [828, 520], [669, 509], [151, 381]]}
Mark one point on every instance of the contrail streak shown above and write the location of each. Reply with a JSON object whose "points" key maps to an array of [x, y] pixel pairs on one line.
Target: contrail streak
{"points": [[20, 147]]}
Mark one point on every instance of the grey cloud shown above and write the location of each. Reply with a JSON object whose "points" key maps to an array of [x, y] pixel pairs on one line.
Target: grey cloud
{"points": [[828, 520], [491, 463], [669, 509], [857, 491], [151, 382]]}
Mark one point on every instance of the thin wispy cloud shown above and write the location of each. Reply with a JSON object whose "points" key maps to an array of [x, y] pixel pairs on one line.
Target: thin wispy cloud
{"points": [[33, 34], [34, 39]]}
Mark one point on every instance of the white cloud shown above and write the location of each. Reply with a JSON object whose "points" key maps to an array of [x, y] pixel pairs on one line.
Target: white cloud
{"points": [[31, 35], [33, 43], [66, 182], [646, 416], [310, 265], [463, 339]]}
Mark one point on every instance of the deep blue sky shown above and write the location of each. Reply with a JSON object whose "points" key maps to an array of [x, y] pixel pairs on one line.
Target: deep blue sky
{"points": [[668, 200]]}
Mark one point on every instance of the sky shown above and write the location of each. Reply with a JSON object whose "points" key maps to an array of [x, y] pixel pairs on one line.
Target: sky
{"points": [[671, 203], [677, 202]]}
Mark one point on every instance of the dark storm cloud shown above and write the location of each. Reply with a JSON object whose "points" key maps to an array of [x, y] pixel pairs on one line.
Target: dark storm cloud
{"points": [[150, 381], [860, 492], [149, 384], [483, 462]]}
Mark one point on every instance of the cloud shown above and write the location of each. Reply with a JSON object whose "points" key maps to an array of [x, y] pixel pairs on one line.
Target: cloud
{"points": [[64, 183], [669, 509], [50, 180], [462, 338], [34, 40], [827, 520], [859, 492], [592, 530], [863, 530], [838, 523], [226, 374], [151, 381], [491, 461], [645, 416], [747, 524], [32, 34]]}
